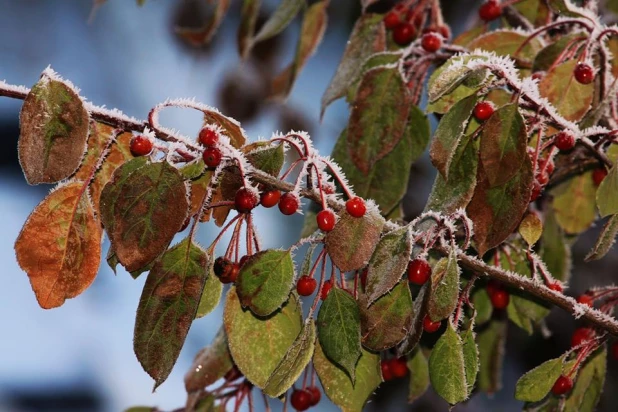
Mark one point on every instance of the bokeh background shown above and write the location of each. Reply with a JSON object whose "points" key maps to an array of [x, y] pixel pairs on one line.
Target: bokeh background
{"points": [[79, 357]]}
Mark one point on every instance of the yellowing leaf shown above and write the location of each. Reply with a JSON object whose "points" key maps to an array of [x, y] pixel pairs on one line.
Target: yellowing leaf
{"points": [[574, 203], [531, 228], [59, 246]]}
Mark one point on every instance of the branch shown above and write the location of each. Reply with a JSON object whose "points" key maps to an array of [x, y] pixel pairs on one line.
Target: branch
{"points": [[595, 317]]}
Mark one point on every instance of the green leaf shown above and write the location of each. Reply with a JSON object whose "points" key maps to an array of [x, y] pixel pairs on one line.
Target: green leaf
{"points": [[491, 341], [143, 211], [339, 330], [53, 131], [167, 307], [337, 385], [571, 98], [352, 242], [388, 263], [193, 170], [605, 241], [456, 193], [555, 251], [564, 8], [417, 131], [416, 325], [496, 211], [311, 33], [531, 228], [368, 37], [545, 59], [535, 11], [378, 117], [294, 361], [280, 19], [447, 84], [574, 203], [199, 36], [503, 145], [447, 367], [211, 295], [444, 288], [536, 384], [265, 281], [383, 59], [471, 358], [588, 386], [482, 305], [265, 156], [507, 43], [449, 133], [210, 364], [275, 335], [607, 193], [387, 322], [246, 29], [419, 375]]}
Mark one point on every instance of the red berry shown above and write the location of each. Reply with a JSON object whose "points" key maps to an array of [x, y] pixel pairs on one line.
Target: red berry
{"points": [[564, 141], [598, 175], [584, 74], [245, 200], [445, 31], [326, 287], [490, 11], [231, 277], [499, 299], [542, 178], [430, 326], [419, 271], [212, 157], [391, 20], [493, 286], [563, 385], [315, 393], [585, 299], [549, 168], [580, 336], [403, 34], [208, 137], [398, 367], [243, 260], [305, 286], [270, 198], [536, 191], [288, 204], [222, 266], [483, 110], [326, 220], [615, 350], [431, 42], [555, 286], [140, 145], [328, 188], [387, 374], [300, 400], [356, 207]]}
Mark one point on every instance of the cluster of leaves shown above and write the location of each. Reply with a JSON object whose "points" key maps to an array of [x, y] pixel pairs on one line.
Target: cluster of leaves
{"points": [[485, 203]]}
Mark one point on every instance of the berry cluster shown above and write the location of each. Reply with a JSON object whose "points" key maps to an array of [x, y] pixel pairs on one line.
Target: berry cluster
{"points": [[209, 137], [406, 22], [394, 368], [303, 399]]}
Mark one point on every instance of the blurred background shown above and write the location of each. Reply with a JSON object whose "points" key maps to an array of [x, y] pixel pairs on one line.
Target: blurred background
{"points": [[80, 357]]}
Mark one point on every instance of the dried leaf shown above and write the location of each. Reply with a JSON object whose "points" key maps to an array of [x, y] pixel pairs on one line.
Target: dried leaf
{"points": [[53, 131], [59, 246], [168, 306], [203, 35]]}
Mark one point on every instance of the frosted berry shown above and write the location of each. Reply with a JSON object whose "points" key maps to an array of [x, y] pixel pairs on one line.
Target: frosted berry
{"points": [[483, 111], [212, 157], [499, 299], [391, 20], [387, 374], [398, 367], [326, 287], [305, 286], [555, 286], [563, 385], [315, 393], [489, 11], [429, 325], [419, 271], [288, 204], [356, 207], [585, 299], [270, 198], [208, 137], [431, 42], [564, 141], [403, 34], [583, 73], [326, 220], [580, 336], [615, 350], [245, 200], [140, 145], [301, 399], [598, 175]]}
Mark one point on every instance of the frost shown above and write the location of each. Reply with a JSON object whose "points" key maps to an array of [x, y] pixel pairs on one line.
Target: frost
{"points": [[20, 90], [49, 72]]}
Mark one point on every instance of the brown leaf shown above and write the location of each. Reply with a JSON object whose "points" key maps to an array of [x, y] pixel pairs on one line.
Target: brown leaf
{"points": [[60, 245], [202, 35]]}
